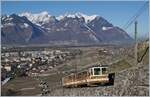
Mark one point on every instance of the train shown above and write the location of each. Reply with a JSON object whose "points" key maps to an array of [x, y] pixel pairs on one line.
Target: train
{"points": [[93, 76]]}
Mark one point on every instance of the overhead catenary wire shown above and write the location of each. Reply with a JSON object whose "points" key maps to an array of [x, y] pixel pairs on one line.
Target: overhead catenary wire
{"points": [[128, 24], [131, 21], [135, 16]]}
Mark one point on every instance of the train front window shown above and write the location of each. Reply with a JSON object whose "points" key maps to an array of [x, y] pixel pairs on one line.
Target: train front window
{"points": [[97, 71], [104, 70]]}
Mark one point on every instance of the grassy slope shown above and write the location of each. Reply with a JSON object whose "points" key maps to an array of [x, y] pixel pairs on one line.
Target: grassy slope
{"points": [[19, 83], [87, 58], [124, 64]]}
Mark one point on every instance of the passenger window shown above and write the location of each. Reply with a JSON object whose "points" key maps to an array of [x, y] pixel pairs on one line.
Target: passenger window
{"points": [[97, 71], [104, 70]]}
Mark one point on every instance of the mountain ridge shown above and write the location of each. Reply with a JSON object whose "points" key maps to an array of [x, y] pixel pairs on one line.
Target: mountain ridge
{"points": [[70, 29]]}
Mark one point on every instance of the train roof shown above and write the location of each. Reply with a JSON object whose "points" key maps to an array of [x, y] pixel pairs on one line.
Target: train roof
{"points": [[98, 65], [87, 68], [92, 66]]}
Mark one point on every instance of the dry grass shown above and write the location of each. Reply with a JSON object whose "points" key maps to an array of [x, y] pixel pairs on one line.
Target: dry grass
{"points": [[119, 66], [88, 57], [19, 83]]}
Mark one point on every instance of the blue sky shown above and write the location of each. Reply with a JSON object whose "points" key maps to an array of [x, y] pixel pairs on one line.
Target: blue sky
{"points": [[116, 12]]}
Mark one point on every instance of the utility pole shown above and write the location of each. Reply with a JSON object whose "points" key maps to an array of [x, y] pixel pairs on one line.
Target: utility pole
{"points": [[76, 70], [136, 44]]}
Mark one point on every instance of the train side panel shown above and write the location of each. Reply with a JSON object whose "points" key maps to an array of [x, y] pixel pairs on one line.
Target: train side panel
{"points": [[85, 79]]}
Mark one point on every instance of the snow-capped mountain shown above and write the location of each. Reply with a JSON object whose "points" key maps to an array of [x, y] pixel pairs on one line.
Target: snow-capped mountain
{"points": [[44, 17], [16, 29], [39, 18], [78, 15], [78, 28]]}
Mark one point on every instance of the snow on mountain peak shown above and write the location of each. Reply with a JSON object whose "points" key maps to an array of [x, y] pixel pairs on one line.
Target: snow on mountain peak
{"points": [[39, 18], [88, 18], [44, 17], [106, 28], [79, 15], [44, 13]]}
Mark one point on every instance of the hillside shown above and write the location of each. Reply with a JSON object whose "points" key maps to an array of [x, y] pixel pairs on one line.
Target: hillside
{"points": [[130, 79]]}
